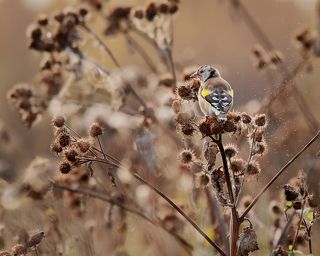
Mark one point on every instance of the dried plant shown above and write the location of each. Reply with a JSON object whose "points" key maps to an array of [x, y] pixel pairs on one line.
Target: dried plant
{"points": [[135, 166]]}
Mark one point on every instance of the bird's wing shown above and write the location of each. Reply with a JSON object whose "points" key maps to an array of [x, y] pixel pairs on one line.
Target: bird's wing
{"points": [[219, 94]]}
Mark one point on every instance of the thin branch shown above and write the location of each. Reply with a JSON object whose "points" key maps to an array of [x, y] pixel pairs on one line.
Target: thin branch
{"points": [[179, 210], [92, 194], [254, 201], [298, 227]]}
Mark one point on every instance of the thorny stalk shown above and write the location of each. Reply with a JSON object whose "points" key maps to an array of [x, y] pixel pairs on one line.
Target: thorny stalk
{"points": [[234, 222], [276, 176]]}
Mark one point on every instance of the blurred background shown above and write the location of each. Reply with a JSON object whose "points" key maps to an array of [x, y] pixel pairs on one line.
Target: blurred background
{"points": [[205, 32]]}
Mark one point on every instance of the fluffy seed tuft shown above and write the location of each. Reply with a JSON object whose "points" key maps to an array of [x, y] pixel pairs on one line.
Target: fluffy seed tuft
{"points": [[95, 130]]}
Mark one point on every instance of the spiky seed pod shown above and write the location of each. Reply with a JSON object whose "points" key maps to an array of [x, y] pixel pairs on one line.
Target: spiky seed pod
{"points": [[163, 8], [187, 129], [95, 130], [237, 166], [290, 192], [247, 241], [230, 126], [71, 155], [184, 91], [151, 11], [260, 148], [234, 117], [58, 121], [246, 118], [230, 150], [260, 120], [139, 14], [56, 148], [64, 139], [186, 156], [65, 167], [258, 136], [210, 125], [84, 145], [36, 239], [253, 168]]}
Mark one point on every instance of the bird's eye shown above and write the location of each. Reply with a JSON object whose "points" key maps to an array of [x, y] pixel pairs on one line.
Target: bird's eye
{"points": [[201, 71]]}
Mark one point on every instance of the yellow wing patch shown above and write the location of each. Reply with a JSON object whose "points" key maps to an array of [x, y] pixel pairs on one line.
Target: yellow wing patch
{"points": [[204, 92], [230, 92]]}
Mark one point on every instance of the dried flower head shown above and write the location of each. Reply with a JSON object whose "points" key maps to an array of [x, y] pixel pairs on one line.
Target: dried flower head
{"points": [[84, 145], [95, 130], [237, 165], [253, 168], [65, 167], [234, 117], [184, 92], [187, 129], [290, 192], [260, 120], [63, 139], [260, 148], [58, 121], [186, 156], [56, 148], [71, 155], [258, 135], [210, 125], [230, 126], [246, 118], [247, 241], [230, 150]]}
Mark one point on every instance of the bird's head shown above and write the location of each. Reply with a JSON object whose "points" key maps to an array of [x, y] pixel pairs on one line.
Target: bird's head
{"points": [[206, 72]]}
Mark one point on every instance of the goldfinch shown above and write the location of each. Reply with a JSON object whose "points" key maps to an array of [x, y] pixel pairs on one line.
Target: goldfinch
{"points": [[215, 95]]}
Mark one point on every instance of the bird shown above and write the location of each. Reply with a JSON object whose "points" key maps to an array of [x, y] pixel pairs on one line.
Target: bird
{"points": [[215, 95]]}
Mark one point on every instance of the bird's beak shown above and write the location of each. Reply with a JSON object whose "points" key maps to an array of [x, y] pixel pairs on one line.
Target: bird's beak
{"points": [[194, 75]]}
